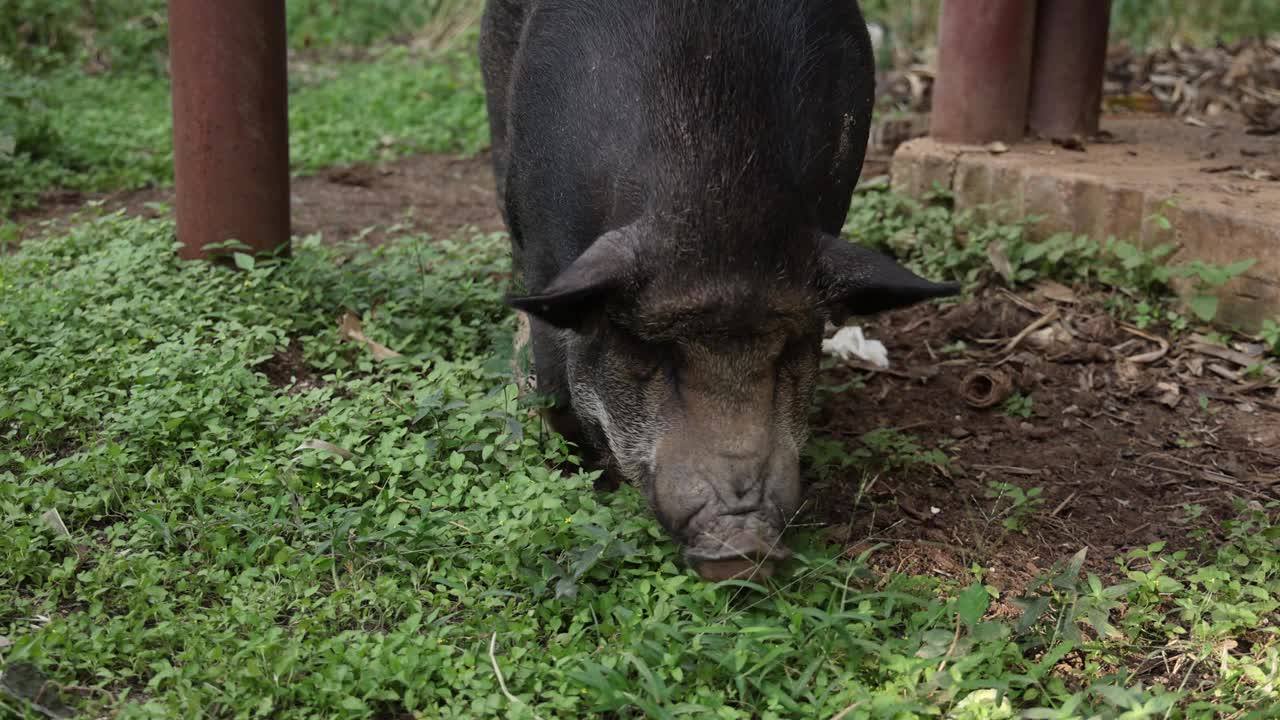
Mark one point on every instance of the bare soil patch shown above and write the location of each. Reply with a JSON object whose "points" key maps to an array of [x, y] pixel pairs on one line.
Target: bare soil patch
{"points": [[288, 370], [437, 194], [1129, 443]]}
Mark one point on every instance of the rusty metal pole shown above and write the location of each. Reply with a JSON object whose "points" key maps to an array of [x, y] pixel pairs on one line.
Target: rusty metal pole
{"points": [[984, 70], [1068, 67], [230, 123]]}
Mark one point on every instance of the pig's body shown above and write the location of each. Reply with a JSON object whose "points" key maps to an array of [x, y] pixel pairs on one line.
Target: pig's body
{"points": [[673, 174], [615, 107]]}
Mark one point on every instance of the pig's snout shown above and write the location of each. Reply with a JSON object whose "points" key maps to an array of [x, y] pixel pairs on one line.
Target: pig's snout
{"points": [[729, 513], [751, 550]]}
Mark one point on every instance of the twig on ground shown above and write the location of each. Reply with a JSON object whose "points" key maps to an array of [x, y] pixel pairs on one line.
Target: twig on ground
{"points": [[1234, 398], [1201, 344], [1223, 372], [1011, 469], [841, 715], [1040, 322], [502, 683], [1064, 503], [1021, 302], [869, 368], [955, 640], [1148, 357]]}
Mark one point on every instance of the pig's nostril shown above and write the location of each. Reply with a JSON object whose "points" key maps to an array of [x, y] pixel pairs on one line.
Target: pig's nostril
{"points": [[747, 486], [679, 524], [736, 545]]}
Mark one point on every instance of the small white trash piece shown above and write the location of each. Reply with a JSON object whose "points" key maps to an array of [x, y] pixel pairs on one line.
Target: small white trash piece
{"points": [[849, 343]]}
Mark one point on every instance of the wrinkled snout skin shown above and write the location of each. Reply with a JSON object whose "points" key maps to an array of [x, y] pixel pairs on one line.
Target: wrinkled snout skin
{"points": [[727, 503], [674, 176], [726, 480]]}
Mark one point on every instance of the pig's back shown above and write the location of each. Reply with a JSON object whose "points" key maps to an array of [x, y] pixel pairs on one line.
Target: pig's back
{"points": [[619, 107]]}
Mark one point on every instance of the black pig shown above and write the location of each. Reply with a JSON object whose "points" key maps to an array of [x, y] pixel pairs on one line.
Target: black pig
{"points": [[674, 175]]}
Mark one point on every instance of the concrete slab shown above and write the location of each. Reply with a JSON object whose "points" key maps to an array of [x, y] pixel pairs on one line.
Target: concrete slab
{"points": [[1218, 187]]}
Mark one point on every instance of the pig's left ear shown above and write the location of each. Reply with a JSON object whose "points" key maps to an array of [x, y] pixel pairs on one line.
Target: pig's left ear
{"points": [[859, 281], [600, 269]]}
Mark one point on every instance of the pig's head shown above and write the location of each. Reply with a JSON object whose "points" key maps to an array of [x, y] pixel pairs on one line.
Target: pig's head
{"points": [[697, 374]]}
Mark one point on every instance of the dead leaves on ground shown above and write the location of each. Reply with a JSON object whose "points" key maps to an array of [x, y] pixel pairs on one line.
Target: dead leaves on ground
{"points": [[351, 329]]}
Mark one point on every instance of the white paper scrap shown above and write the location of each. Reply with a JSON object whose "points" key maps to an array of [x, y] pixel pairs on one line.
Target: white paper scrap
{"points": [[849, 343]]}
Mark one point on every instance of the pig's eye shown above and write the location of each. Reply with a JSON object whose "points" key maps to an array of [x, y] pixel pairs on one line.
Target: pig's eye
{"points": [[644, 372], [653, 365], [654, 362], [674, 374], [642, 360]]}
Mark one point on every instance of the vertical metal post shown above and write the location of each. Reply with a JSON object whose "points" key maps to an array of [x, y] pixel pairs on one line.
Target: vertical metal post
{"points": [[1068, 68], [230, 123], [984, 70]]}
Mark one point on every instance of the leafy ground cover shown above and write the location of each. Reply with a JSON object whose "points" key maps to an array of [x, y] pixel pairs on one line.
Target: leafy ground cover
{"points": [[70, 131], [84, 91], [254, 515], [913, 24], [215, 500]]}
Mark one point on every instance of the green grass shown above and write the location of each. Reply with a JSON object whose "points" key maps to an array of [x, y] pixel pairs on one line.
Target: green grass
{"points": [[1139, 23], [221, 561], [89, 133], [113, 132], [130, 35], [965, 245], [61, 128], [224, 570], [395, 106], [1157, 22], [317, 23]]}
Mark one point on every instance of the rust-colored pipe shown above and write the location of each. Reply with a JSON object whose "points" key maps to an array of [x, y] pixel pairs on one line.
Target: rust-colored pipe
{"points": [[230, 123], [1068, 68], [984, 70]]}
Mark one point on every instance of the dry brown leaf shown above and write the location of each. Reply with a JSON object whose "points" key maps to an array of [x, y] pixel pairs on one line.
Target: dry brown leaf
{"points": [[1053, 337], [1000, 262], [1251, 349], [1129, 373], [1195, 366], [1170, 394], [1202, 345], [53, 519], [1056, 292], [353, 330], [986, 387], [325, 447]]}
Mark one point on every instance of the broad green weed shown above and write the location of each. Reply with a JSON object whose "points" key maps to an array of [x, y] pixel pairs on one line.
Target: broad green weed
{"points": [[350, 538]]}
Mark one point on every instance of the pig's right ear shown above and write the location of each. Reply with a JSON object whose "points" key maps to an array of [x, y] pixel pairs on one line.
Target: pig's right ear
{"points": [[602, 268], [861, 281]]}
